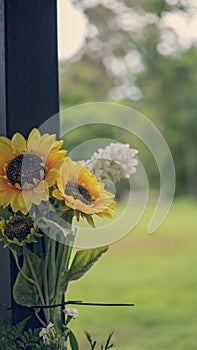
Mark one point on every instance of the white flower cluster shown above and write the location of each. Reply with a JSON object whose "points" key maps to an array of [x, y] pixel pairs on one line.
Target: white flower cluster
{"points": [[71, 312], [48, 334], [115, 162]]}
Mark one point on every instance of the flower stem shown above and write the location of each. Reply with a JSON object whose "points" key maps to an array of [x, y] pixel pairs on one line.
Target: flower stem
{"points": [[19, 268], [39, 318], [45, 276], [58, 261], [62, 263], [31, 267], [52, 273]]}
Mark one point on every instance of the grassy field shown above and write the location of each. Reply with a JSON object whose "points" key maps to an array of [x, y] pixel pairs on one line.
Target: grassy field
{"points": [[158, 273]]}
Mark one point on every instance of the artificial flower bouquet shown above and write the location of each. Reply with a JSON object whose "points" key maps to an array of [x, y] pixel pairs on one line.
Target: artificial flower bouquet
{"points": [[41, 192]]}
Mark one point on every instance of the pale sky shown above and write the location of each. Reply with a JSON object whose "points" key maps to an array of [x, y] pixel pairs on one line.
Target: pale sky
{"points": [[72, 29]]}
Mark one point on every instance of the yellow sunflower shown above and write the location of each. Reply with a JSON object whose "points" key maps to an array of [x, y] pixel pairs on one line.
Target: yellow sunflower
{"points": [[82, 192], [28, 169], [19, 230]]}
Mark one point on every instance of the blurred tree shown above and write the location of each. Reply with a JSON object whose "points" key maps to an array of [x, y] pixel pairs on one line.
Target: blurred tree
{"points": [[80, 82], [173, 101], [127, 59]]}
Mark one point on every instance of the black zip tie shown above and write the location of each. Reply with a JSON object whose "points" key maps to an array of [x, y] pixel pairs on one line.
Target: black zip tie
{"points": [[102, 304], [76, 302]]}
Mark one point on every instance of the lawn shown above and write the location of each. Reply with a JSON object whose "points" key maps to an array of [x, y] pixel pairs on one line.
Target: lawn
{"points": [[158, 273]]}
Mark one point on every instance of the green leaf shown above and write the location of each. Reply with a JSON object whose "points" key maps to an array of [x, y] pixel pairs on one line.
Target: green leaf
{"points": [[24, 292], [59, 326], [83, 261], [73, 341], [108, 345], [89, 219], [90, 340], [4, 213], [20, 344]]}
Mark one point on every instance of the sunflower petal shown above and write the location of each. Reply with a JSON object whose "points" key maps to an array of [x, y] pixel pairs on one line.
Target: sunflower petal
{"points": [[19, 143], [57, 194], [7, 153], [33, 141], [46, 143], [4, 184], [15, 205], [51, 177], [21, 200], [6, 140], [55, 159]]}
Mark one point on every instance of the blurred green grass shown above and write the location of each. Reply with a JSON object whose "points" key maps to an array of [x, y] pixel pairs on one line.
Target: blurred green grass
{"points": [[157, 272]]}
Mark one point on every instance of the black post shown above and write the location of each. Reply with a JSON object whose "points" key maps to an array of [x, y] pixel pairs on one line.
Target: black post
{"points": [[28, 91]]}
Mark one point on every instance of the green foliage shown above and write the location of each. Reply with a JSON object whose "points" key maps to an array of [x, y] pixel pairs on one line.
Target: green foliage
{"points": [[73, 341], [172, 100], [81, 83], [16, 338], [93, 343], [4, 213], [83, 261], [25, 293], [168, 83], [83, 134]]}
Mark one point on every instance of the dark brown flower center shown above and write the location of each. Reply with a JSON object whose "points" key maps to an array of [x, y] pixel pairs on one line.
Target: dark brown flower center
{"points": [[78, 192], [18, 227], [24, 168]]}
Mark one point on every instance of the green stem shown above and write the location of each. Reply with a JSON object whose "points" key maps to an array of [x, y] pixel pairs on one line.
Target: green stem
{"points": [[56, 313], [58, 260], [19, 268], [45, 276], [52, 269], [69, 245], [52, 273], [62, 263], [31, 267], [63, 266], [39, 318]]}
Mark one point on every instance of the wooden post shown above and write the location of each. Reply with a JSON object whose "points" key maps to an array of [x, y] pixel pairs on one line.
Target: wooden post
{"points": [[28, 93]]}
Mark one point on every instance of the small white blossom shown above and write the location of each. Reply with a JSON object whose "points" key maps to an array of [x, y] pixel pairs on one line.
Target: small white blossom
{"points": [[71, 312], [115, 162], [48, 334]]}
